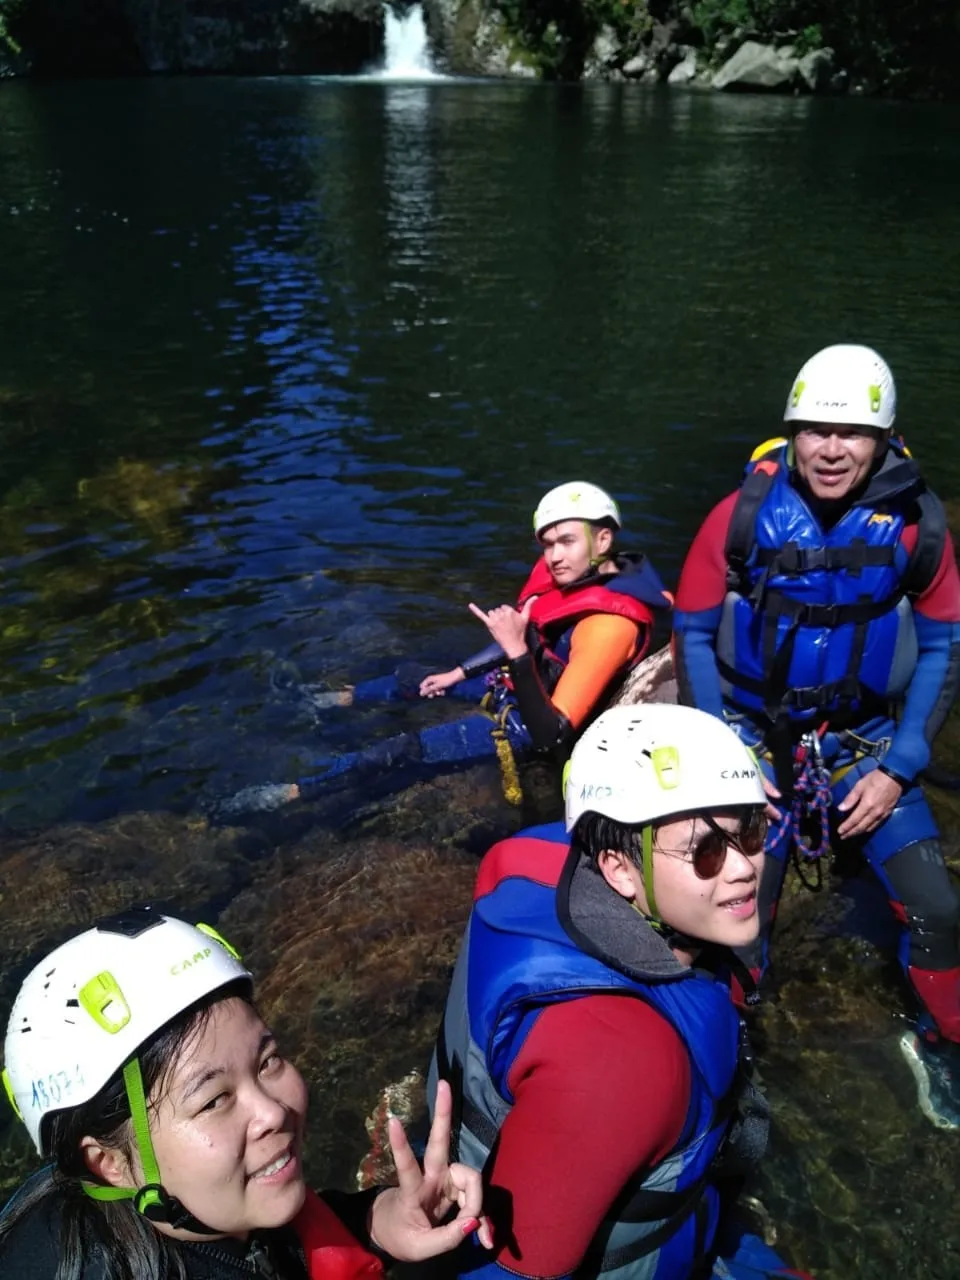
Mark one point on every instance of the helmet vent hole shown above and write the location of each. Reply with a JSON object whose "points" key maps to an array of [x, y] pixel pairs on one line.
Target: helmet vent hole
{"points": [[73, 1004]]}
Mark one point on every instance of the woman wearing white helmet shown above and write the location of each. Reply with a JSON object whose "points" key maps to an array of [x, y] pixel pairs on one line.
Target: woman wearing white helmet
{"points": [[589, 1032], [175, 1128]]}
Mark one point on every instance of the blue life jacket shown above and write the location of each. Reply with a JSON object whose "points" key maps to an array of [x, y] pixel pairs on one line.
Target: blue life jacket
{"points": [[818, 623], [522, 953]]}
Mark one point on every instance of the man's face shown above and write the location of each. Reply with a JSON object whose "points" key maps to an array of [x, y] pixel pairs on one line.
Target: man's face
{"points": [[833, 460], [568, 548]]}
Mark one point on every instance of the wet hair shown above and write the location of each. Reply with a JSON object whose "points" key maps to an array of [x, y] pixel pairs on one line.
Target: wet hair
{"points": [[606, 523], [594, 833], [128, 1245]]}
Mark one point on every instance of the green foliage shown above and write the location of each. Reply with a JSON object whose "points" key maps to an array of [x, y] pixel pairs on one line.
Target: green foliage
{"points": [[556, 35], [9, 12]]}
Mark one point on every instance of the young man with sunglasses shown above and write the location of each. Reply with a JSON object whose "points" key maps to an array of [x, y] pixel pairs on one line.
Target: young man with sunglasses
{"points": [[819, 611], [595, 1055]]}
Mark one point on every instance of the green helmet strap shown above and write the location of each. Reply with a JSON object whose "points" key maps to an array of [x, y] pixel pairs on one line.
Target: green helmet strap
{"points": [[648, 871], [150, 1200], [595, 560]]}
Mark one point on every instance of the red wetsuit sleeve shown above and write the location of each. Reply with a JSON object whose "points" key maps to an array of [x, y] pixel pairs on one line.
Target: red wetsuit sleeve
{"points": [[703, 579], [941, 600], [601, 1090]]}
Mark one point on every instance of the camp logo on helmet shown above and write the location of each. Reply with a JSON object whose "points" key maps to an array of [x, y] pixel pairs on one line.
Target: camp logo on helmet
{"points": [[189, 961], [738, 773]]}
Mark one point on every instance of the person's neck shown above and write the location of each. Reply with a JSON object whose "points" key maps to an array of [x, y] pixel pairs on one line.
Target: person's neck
{"points": [[686, 955]]}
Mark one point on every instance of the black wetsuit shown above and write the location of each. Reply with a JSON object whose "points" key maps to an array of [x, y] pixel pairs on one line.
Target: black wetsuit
{"points": [[32, 1249]]}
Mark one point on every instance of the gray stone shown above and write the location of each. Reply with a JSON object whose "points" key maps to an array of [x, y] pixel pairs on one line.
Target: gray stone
{"points": [[603, 56], [686, 69], [758, 67], [817, 69], [636, 66]]}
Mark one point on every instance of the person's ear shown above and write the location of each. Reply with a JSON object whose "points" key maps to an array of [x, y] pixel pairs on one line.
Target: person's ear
{"points": [[108, 1165], [617, 869], [602, 541]]}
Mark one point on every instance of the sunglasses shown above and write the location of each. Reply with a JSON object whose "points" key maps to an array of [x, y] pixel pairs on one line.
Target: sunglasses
{"points": [[710, 852]]}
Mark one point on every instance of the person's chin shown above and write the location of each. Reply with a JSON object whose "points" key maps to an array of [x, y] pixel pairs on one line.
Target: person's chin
{"points": [[284, 1205], [826, 491]]}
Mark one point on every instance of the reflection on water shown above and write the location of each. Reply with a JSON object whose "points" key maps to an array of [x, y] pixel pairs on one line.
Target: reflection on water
{"points": [[286, 365]]}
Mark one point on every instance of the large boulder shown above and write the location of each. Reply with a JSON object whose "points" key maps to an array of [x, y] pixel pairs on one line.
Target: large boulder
{"points": [[685, 70], [758, 67], [468, 38]]}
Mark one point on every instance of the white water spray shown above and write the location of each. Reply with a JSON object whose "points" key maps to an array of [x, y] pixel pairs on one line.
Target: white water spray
{"points": [[406, 53]]}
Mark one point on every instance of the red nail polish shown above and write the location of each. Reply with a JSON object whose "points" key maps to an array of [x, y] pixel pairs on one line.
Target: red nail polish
{"points": [[469, 1226]]}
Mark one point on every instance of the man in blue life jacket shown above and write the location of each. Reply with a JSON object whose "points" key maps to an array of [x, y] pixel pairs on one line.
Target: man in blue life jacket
{"points": [[599, 1067], [818, 611], [583, 619]]}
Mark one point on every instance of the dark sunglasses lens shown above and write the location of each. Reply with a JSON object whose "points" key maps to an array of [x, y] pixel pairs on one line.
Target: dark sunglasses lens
{"points": [[709, 855], [753, 834]]}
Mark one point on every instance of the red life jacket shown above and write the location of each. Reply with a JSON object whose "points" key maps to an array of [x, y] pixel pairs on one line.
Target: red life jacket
{"points": [[331, 1252], [557, 610]]}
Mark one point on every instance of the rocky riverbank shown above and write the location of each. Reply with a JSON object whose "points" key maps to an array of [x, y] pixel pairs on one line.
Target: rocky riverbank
{"points": [[786, 46]]}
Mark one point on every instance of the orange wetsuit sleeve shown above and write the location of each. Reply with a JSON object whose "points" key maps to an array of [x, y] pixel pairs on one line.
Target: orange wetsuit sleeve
{"points": [[601, 647]]}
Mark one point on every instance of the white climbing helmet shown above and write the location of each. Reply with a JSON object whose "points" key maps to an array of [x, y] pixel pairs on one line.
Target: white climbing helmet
{"points": [[576, 500], [643, 763], [844, 384], [89, 1006]]}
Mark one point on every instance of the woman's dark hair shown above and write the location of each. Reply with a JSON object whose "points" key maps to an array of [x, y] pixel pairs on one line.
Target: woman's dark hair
{"points": [[128, 1245]]}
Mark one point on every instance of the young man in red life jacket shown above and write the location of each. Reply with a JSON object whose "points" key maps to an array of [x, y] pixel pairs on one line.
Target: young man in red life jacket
{"points": [[818, 611], [583, 619], [599, 1068]]}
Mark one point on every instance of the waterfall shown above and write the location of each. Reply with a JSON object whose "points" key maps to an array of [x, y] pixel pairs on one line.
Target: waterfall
{"points": [[406, 55]]}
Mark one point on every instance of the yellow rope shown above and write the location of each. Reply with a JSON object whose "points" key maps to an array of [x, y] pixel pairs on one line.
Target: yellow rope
{"points": [[509, 774]]}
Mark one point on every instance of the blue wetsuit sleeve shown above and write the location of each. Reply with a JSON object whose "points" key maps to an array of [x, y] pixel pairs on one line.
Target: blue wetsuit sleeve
{"points": [[695, 659], [930, 695], [480, 663]]}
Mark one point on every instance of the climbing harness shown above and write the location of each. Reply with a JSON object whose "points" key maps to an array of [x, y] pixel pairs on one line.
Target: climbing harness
{"points": [[808, 810]]}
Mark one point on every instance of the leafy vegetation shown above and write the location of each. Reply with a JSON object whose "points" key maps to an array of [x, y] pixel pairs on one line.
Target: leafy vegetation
{"points": [[897, 46]]}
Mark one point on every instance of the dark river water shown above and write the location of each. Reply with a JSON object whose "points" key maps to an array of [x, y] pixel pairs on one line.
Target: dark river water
{"points": [[286, 364]]}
